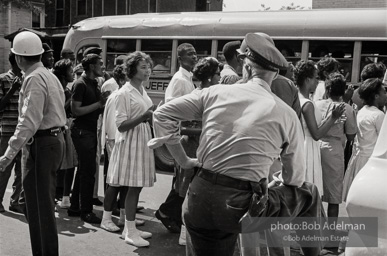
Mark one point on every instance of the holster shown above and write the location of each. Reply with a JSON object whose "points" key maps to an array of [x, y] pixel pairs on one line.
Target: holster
{"points": [[258, 202]]}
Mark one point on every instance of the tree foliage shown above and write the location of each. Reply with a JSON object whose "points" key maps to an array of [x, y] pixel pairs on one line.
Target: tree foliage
{"points": [[291, 7], [24, 4]]}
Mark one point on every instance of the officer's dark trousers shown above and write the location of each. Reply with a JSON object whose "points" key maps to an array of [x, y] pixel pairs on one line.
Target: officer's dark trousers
{"points": [[212, 212], [40, 161]]}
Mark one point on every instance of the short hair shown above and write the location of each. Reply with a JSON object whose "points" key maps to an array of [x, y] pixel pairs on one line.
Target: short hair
{"points": [[368, 89], [119, 72], [132, 61], [205, 68], [183, 48], [230, 50], [326, 64], [32, 59], [12, 58], [303, 70], [61, 67], [335, 85], [373, 70], [120, 59], [91, 58]]}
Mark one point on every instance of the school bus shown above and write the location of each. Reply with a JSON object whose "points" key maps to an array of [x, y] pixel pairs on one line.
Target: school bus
{"points": [[355, 37]]}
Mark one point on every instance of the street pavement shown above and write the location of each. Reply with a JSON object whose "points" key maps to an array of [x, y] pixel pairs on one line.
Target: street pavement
{"points": [[79, 238]]}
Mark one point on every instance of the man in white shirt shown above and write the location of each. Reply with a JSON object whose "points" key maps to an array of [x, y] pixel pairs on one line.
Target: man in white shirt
{"points": [[181, 84]]}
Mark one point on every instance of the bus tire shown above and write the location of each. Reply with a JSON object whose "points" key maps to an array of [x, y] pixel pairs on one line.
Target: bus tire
{"points": [[164, 160]]}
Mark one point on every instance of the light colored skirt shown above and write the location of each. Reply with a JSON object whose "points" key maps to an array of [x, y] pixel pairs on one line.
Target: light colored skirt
{"points": [[132, 162], [313, 172], [356, 163], [332, 163]]}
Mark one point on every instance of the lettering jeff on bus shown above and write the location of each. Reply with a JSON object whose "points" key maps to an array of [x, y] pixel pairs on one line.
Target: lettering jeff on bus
{"points": [[157, 85]]}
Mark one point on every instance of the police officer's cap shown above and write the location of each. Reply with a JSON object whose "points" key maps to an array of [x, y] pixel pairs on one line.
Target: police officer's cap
{"points": [[260, 48]]}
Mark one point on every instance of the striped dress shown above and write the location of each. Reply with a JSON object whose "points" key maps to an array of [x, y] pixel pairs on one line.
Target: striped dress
{"points": [[132, 161]]}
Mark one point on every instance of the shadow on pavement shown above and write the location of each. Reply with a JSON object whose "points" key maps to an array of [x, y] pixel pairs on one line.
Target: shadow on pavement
{"points": [[16, 216], [71, 226]]}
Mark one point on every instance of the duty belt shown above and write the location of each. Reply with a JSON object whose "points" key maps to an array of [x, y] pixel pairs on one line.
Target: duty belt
{"points": [[223, 180]]}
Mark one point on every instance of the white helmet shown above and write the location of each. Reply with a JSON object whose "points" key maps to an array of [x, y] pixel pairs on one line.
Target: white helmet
{"points": [[27, 44]]}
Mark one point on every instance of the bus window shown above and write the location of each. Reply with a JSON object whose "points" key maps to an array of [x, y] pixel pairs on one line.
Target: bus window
{"points": [[160, 51], [373, 52], [116, 47], [291, 50], [342, 51]]}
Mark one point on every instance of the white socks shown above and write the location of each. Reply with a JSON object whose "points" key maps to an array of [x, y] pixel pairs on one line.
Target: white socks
{"points": [[107, 222]]}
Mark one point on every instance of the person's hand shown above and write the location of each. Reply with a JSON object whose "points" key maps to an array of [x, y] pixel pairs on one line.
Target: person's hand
{"points": [[348, 93], [149, 113], [338, 110], [4, 162], [190, 163], [104, 97]]}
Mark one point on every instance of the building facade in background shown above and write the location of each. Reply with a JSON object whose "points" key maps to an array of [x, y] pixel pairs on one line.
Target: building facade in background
{"points": [[327, 4], [13, 17]]}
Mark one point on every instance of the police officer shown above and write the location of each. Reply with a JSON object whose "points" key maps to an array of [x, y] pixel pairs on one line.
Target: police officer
{"points": [[245, 127], [39, 135]]}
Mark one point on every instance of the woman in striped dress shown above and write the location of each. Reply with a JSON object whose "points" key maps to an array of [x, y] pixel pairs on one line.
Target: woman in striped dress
{"points": [[132, 162]]}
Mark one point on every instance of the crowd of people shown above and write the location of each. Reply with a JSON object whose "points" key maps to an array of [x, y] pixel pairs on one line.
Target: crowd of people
{"points": [[229, 133]]}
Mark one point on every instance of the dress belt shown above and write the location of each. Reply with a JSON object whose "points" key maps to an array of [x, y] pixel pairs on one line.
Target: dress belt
{"points": [[223, 180]]}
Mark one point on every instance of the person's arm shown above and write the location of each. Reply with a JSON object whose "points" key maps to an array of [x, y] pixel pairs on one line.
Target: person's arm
{"points": [[316, 131], [16, 84], [76, 103], [296, 106], [293, 153], [166, 125], [378, 122], [131, 123], [178, 153], [78, 110], [122, 114], [350, 126], [31, 116]]}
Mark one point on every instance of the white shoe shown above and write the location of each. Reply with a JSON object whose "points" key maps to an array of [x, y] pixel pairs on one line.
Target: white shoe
{"points": [[145, 234], [136, 240], [182, 237], [138, 223], [109, 226], [65, 204]]}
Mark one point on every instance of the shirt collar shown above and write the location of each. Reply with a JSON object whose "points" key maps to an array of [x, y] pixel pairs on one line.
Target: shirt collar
{"points": [[186, 72], [261, 83], [229, 67], [33, 67]]}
